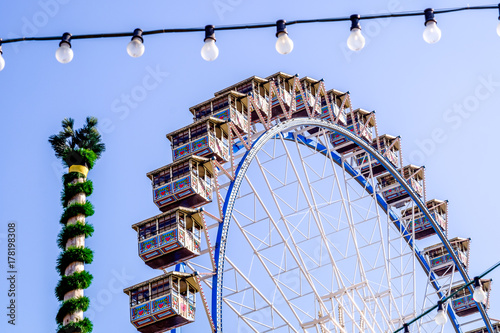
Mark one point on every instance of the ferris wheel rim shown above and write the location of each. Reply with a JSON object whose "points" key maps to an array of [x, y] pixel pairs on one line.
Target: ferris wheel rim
{"points": [[246, 161]]}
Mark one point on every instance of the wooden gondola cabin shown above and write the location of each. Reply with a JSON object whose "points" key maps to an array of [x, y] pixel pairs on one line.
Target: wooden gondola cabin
{"points": [[163, 303], [463, 302], [254, 88], [327, 110], [207, 137], [169, 238], [284, 87], [440, 261], [361, 123], [229, 106], [394, 193], [307, 99], [336, 99], [413, 217], [332, 96], [187, 182], [389, 148], [495, 325]]}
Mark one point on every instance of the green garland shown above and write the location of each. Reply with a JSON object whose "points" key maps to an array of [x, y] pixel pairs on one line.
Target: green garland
{"points": [[79, 280], [72, 305], [73, 254], [83, 326], [74, 209], [88, 156], [70, 190], [73, 230], [81, 156], [71, 176]]}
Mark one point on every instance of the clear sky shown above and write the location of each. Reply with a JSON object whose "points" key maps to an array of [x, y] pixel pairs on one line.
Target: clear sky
{"points": [[442, 99]]}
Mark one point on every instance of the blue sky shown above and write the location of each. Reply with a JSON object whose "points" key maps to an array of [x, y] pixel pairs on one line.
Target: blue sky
{"points": [[442, 99]]}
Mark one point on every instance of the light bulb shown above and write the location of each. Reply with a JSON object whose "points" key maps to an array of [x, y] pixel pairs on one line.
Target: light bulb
{"points": [[356, 40], [284, 44], [2, 63], [209, 51], [64, 53], [498, 29], [441, 318], [135, 47], [479, 294], [432, 34]]}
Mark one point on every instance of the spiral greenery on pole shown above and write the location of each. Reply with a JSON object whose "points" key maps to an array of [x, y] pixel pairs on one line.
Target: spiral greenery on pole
{"points": [[78, 150]]}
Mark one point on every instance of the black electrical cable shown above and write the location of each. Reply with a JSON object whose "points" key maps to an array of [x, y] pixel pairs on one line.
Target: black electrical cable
{"points": [[489, 270], [250, 26]]}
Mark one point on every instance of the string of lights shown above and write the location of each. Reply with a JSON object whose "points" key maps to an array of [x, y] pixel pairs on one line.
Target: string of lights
{"points": [[441, 319], [284, 43]]}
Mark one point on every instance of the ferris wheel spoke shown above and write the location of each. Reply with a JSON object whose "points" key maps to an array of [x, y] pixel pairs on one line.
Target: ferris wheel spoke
{"points": [[257, 312], [317, 217], [255, 289], [382, 309], [255, 249], [297, 258], [308, 182], [350, 219], [266, 267]]}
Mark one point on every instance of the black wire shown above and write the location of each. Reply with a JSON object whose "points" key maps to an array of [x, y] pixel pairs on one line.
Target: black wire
{"points": [[250, 26], [489, 270]]}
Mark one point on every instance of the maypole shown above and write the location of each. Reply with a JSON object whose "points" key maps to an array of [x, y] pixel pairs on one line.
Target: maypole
{"points": [[78, 150]]}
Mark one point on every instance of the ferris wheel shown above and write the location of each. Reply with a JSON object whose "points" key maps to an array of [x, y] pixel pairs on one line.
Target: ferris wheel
{"points": [[285, 210]]}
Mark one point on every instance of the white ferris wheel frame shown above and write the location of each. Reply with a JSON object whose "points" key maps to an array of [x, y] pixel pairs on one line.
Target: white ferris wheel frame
{"points": [[288, 125]]}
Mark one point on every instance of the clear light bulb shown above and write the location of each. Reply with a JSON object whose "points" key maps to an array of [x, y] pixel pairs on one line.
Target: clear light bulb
{"points": [[135, 47], [356, 40], [209, 51], [432, 34], [479, 294], [441, 319], [64, 53], [498, 29], [284, 44], [2, 63]]}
